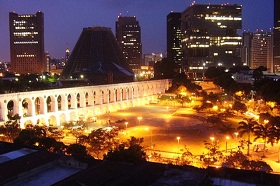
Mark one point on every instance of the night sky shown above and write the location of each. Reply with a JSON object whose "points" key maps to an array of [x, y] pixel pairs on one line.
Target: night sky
{"points": [[65, 19]]}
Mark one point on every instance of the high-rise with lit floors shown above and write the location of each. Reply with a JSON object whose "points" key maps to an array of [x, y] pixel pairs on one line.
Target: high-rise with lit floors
{"points": [[276, 36], [246, 48], [210, 36], [174, 37], [27, 43], [261, 51], [128, 34]]}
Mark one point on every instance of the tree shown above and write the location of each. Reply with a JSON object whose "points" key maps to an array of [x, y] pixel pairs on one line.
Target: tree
{"points": [[131, 152], [264, 131], [26, 138], [247, 128], [182, 80], [77, 151], [239, 160], [165, 69], [238, 106], [11, 128], [236, 160], [258, 73], [36, 136], [214, 154], [101, 140], [187, 158], [213, 72]]}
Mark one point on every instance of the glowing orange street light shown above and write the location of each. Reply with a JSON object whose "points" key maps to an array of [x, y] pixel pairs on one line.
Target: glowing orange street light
{"points": [[212, 139], [227, 138], [139, 119], [126, 123], [236, 134], [178, 138]]}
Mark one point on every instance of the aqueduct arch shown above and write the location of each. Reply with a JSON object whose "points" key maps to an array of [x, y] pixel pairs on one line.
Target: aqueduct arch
{"points": [[56, 106]]}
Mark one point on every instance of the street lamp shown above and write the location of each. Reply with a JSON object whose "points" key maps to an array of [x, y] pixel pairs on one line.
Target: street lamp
{"points": [[147, 129], [126, 123], [212, 139], [178, 138], [236, 134], [227, 138], [139, 119]]}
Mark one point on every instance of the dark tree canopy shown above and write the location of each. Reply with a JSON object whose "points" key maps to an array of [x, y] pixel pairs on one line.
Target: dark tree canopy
{"points": [[77, 151], [132, 152], [213, 72], [165, 69]]}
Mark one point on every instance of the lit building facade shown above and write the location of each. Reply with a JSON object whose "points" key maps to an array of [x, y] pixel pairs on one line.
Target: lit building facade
{"points": [[210, 36], [276, 36], [174, 37], [27, 43], [261, 50], [246, 48], [128, 34], [150, 59]]}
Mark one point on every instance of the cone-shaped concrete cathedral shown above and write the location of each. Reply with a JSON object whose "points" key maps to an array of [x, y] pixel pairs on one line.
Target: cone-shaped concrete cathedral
{"points": [[98, 58]]}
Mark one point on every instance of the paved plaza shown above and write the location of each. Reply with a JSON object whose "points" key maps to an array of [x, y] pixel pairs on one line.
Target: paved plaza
{"points": [[161, 125]]}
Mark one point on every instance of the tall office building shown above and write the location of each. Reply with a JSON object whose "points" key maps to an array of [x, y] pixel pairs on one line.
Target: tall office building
{"points": [[210, 36], [174, 37], [27, 43], [261, 50], [246, 48], [276, 36], [128, 34]]}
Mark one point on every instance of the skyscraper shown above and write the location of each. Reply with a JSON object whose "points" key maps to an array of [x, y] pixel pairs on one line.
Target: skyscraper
{"points": [[27, 43], [174, 37], [276, 36], [128, 34], [246, 48], [261, 50], [210, 36]]}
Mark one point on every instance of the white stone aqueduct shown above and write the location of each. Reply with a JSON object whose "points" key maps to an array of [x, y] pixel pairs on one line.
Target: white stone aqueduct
{"points": [[56, 106]]}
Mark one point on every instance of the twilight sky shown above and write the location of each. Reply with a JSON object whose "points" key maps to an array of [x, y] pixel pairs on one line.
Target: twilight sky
{"points": [[65, 19]]}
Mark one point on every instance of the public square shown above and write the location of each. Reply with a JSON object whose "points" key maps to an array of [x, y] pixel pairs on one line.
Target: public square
{"points": [[161, 124]]}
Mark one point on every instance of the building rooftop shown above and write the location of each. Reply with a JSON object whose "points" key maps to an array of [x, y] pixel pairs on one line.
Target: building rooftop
{"points": [[39, 167]]}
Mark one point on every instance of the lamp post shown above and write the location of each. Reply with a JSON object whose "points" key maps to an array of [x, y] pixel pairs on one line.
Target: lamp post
{"points": [[178, 138], [236, 134], [139, 119], [227, 138], [126, 123], [212, 139], [147, 129]]}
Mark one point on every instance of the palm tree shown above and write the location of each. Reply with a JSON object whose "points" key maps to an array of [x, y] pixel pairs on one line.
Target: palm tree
{"points": [[248, 128], [264, 131]]}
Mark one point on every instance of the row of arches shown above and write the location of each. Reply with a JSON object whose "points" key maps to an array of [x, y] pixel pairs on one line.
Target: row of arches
{"points": [[47, 102]]}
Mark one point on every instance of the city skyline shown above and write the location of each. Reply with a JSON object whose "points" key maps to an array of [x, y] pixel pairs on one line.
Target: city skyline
{"points": [[64, 20]]}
